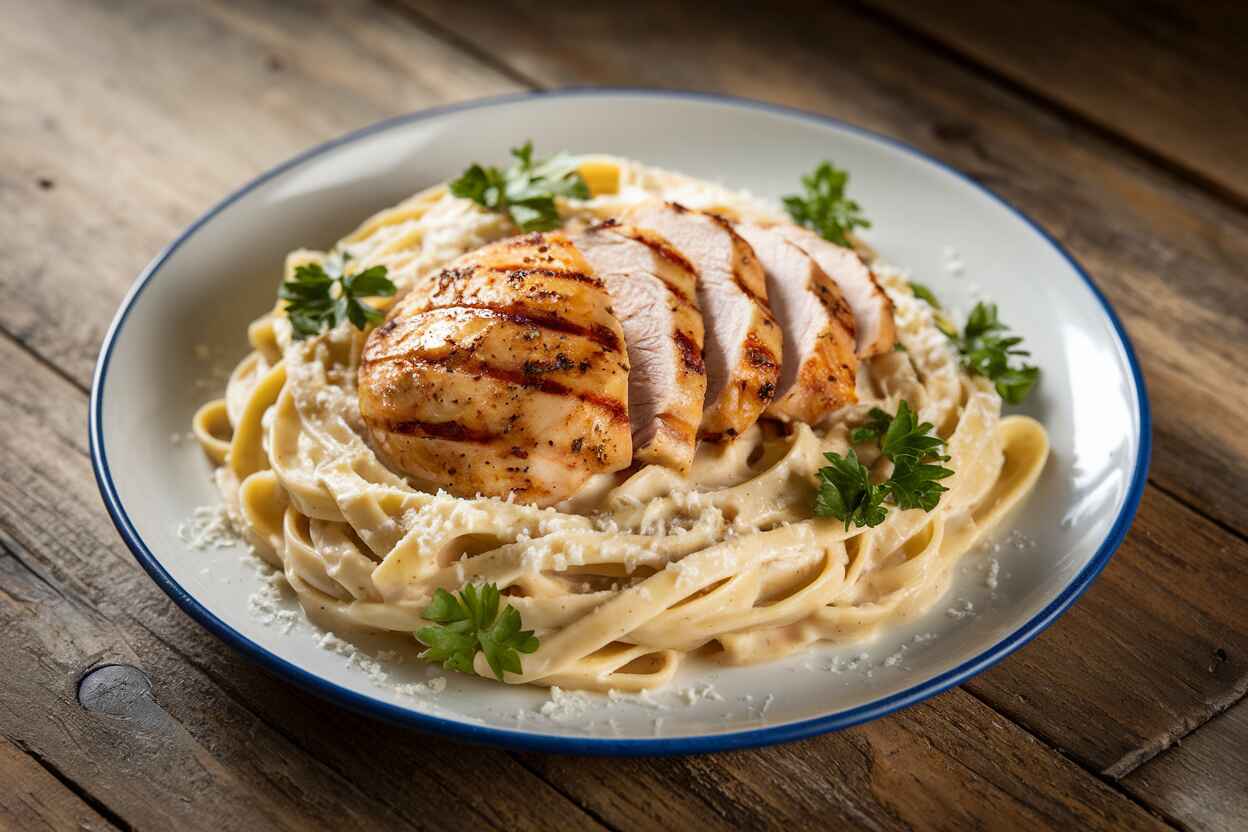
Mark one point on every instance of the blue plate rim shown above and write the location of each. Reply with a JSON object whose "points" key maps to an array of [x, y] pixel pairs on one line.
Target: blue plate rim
{"points": [[528, 741]]}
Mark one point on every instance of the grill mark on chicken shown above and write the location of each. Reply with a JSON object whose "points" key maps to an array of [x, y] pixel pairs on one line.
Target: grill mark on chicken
{"points": [[519, 273], [526, 317], [758, 355], [743, 248], [746, 257], [452, 431], [532, 377], [660, 248], [674, 423], [671, 255], [534, 238], [690, 355], [754, 296], [532, 358], [676, 292], [840, 309]]}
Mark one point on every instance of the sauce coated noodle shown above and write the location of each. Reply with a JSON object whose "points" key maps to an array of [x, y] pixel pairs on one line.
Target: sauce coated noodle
{"points": [[630, 577]]}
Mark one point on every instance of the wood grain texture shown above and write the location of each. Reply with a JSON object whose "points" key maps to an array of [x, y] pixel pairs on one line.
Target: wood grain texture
{"points": [[1169, 256], [114, 140], [1154, 649], [949, 763], [220, 744], [1202, 783], [1166, 75], [137, 116], [216, 733], [1133, 226], [33, 799]]}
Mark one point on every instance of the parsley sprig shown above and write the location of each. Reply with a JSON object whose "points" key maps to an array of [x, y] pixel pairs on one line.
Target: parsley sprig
{"points": [[846, 491], [474, 622], [988, 353], [985, 350], [312, 301], [824, 207], [924, 294], [526, 191]]}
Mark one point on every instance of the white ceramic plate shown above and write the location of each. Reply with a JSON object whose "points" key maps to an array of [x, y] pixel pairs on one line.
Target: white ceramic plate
{"points": [[223, 271]]}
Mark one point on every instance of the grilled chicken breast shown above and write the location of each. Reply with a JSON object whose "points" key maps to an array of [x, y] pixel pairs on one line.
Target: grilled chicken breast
{"points": [[873, 311], [504, 372], [654, 295], [743, 342], [820, 368]]}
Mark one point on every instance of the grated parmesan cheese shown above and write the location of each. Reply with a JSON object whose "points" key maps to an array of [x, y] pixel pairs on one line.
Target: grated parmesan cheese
{"points": [[564, 705], [962, 609], [209, 527], [994, 570], [433, 687]]}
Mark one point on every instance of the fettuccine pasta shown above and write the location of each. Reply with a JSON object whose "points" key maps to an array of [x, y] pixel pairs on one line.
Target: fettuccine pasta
{"points": [[635, 573]]}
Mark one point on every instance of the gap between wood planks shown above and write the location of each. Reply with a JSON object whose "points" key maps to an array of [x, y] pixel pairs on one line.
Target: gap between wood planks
{"points": [[930, 42], [97, 805], [215, 676], [439, 33], [242, 702], [39, 588], [1111, 781], [1035, 96], [454, 39], [81, 387]]}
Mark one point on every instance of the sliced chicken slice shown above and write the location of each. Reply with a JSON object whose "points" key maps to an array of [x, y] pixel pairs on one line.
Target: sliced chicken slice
{"points": [[504, 372], [819, 371], [873, 311], [654, 295], [743, 341]]}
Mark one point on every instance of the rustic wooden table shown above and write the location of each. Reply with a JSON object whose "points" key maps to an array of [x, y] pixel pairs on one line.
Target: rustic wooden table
{"points": [[1123, 130]]}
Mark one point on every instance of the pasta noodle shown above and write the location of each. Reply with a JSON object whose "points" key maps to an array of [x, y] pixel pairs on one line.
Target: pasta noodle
{"points": [[628, 578]]}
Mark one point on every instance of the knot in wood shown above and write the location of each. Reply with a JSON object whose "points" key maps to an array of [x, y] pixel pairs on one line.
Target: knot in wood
{"points": [[116, 690]]}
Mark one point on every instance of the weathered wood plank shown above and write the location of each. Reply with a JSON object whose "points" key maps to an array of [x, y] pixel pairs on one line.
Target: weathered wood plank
{"points": [[1135, 227], [32, 799], [123, 192], [949, 763], [147, 768], [1154, 649], [48, 506], [1202, 783], [216, 732], [121, 122], [1169, 256], [1166, 75]]}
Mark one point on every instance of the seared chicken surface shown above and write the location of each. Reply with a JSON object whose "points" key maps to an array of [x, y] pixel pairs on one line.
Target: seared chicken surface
{"points": [[654, 295], [820, 368], [743, 342], [873, 311], [504, 372]]}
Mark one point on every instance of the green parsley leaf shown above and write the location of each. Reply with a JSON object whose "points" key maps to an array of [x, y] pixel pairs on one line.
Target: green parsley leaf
{"points": [[907, 441], [824, 206], [847, 493], [924, 294], [845, 488], [312, 302], [986, 352], [875, 426], [470, 623], [526, 191], [915, 485]]}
